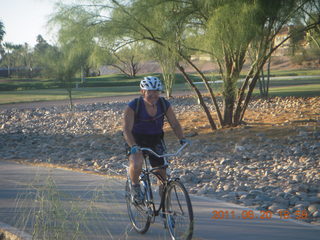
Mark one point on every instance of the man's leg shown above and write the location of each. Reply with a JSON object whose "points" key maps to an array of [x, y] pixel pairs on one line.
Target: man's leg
{"points": [[135, 166]]}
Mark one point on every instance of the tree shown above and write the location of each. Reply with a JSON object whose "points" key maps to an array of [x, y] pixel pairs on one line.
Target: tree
{"points": [[225, 29], [127, 60], [10, 56], [74, 33], [168, 62], [298, 36], [2, 31], [62, 63], [25, 61], [313, 16], [256, 25]]}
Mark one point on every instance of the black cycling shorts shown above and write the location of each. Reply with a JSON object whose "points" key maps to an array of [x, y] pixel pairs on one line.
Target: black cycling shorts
{"points": [[155, 142]]}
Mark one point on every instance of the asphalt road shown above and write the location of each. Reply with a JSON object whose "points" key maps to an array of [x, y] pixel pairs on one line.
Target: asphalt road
{"points": [[99, 202]]}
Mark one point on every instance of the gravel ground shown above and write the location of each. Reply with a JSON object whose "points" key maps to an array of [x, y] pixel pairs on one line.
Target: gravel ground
{"points": [[272, 166]]}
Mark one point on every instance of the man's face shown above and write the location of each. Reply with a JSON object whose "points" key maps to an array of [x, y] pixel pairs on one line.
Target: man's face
{"points": [[151, 96]]}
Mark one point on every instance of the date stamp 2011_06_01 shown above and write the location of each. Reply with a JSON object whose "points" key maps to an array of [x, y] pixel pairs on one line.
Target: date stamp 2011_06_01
{"points": [[265, 215]]}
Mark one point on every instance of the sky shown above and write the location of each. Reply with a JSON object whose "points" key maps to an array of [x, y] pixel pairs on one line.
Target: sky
{"points": [[24, 20]]}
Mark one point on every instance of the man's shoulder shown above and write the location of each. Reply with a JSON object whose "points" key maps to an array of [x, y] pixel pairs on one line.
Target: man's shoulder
{"points": [[134, 103]]}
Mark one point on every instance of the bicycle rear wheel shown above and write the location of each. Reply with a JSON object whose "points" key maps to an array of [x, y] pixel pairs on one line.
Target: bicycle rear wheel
{"points": [[179, 213], [139, 214]]}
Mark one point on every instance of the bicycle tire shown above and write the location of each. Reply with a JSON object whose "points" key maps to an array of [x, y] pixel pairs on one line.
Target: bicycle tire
{"points": [[139, 215], [178, 211]]}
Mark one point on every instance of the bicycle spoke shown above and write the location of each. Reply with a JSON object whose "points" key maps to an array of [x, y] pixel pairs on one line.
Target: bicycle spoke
{"points": [[179, 212], [139, 215], [176, 206], [178, 200]]}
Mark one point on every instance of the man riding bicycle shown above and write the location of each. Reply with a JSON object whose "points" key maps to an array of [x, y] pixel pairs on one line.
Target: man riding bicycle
{"points": [[143, 127]]}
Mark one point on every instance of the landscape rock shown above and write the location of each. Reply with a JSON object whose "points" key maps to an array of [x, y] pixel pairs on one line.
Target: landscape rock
{"points": [[259, 169]]}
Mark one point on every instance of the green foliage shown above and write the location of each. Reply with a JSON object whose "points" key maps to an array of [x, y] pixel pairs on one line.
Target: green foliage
{"points": [[112, 31], [2, 32], [230, 29]]}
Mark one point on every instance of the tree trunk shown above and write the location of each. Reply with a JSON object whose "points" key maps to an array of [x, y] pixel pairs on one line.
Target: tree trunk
{"points": [[202, 103], [268, 78], [82, 75], [262, 84], [70, 98], [121, 70], [215, 103], [228, 102], [241, 97], [248, 97]]}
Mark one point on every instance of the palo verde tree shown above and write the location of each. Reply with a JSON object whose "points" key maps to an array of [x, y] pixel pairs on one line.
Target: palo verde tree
{"points": [[72, 54], [229, 38], [73, 32], [62, 63], [65, 60], [167, 61]]}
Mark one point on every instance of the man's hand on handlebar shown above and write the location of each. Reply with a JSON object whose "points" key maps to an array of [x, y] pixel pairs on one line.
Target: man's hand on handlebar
{"points": [[134, 149]]}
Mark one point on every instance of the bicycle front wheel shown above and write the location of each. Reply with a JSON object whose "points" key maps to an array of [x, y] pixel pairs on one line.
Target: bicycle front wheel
{"points": [[179, 213], [139, 214]]}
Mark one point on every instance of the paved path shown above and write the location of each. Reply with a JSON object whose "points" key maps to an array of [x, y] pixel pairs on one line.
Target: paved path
{"points": [[108, 219]]}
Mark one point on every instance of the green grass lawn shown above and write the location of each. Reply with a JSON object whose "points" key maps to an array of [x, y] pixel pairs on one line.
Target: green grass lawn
{"points": [[311, 90], [61, 94], [113, 85]]}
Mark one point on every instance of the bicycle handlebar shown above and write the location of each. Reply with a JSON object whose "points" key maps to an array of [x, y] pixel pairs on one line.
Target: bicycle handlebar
{"points": [[165, 155]]}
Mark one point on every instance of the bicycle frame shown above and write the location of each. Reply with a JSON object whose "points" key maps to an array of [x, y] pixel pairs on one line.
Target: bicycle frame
{"points": [[146, 179]]}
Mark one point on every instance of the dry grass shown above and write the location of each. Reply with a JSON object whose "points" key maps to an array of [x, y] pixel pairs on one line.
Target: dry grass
{"points": [[270, 122]]}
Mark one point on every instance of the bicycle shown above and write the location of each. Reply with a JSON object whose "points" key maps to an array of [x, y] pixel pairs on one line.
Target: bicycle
{"points": [[175, 204]]}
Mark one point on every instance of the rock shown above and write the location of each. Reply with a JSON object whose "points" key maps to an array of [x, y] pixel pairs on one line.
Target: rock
{"points": [[206, 189], [188, 178], [313, 208], [276, 207], [296, 178], [265, 170], [303, 188], [316, 214], [299, 207], [238, 148], [227, 187]]}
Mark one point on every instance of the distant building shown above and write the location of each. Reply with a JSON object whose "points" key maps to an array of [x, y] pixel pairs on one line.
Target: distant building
{"points": [[201, 57], [284, 49]]}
